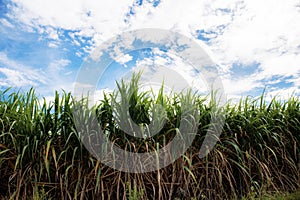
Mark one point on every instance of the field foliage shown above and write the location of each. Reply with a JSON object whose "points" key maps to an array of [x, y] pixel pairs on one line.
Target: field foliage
{"points": [[42, 156]]}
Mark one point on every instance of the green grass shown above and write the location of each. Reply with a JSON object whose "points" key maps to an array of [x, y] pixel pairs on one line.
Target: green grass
{"points": [[277, 196], [42, 156]]}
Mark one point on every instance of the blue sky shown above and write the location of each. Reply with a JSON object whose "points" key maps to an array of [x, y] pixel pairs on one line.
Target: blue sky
{"points": [[255, 43]]}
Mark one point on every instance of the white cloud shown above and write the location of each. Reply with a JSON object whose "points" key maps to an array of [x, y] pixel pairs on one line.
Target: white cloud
{"points": [[88, 17], [53, 34], [284, 65], [296, 81], [166, 67], [15, 78], [58, 75], [240, 85], [52, 45], [4, 22], [124, 59], [17, 74], [58, 65], [265, 32]]}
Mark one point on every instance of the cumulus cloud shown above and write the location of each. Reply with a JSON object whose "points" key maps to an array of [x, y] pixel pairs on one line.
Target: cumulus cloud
{"points": [[89, 18], [124, 59], [238, 31]]}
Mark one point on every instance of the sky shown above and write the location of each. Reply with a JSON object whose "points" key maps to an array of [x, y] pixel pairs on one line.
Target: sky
{"points": [[255, 44]]}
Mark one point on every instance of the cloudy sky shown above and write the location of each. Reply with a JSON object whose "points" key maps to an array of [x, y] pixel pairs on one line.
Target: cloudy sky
{"points": [[256, 44]]}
